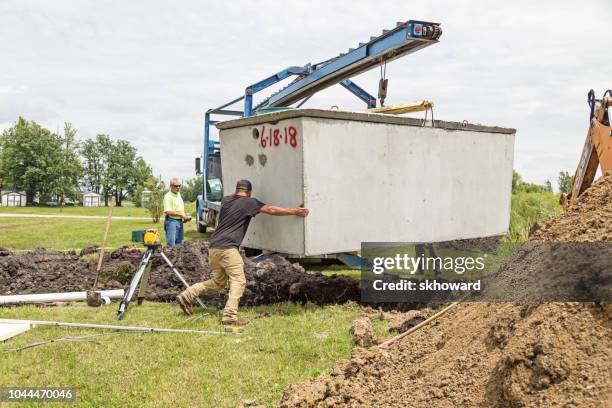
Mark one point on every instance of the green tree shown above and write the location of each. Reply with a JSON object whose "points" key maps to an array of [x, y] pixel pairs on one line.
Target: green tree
{"points": [[140, 173], [565, 182], [155, 204], [92, 165], [191, 189], [68, 168], [519, 186], [548, 186], [96, 154], [29, 158], [104, 145], [121, 168], [112, 168]]}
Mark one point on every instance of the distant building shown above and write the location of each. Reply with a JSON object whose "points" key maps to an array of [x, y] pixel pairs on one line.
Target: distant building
{"points": [[90, 199], [12, 198], [144, 199]]}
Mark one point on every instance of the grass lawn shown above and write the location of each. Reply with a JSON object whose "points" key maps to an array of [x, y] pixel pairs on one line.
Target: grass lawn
{"points": [[340, 269], [285, 343], [20, 234], [125, 211]]}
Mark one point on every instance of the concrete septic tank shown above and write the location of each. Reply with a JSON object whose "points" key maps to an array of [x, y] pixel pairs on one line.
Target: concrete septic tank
{"points": [[368, 177]]}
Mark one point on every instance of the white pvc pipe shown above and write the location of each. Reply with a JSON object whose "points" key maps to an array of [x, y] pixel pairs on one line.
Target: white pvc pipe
{"points": [[57, 297], [112, 327]]}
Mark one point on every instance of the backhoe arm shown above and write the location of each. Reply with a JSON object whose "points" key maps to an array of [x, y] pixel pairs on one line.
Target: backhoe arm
{"points": [[597, 150]]}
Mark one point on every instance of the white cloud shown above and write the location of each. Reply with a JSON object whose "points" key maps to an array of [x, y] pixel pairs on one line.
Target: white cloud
{"points": [[147, 70]]}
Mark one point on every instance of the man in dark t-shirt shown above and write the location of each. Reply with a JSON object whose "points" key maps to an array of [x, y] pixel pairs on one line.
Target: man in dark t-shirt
{"points": [[223, 255]]}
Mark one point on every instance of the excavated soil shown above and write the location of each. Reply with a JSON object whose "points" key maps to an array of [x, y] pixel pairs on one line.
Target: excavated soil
{"points": [[545, 271], [275, 280], [271, 281], [588, 220], [491, 354], [363, 333], [479, 355]]}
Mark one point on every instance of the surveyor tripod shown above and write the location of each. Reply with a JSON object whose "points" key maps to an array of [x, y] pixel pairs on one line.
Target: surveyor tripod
{"points": [[142, 277]]}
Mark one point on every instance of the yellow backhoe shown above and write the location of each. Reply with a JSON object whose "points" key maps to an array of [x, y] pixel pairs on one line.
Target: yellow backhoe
{"points": [[597, 150]]}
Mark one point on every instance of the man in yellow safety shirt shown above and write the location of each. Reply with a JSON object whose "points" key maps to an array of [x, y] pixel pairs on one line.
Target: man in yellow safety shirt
{"points": [[174, 208]]}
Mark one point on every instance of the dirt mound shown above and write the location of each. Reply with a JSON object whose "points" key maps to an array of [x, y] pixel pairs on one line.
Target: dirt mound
{"points": [[407, 321], [567, 257], [491, 354], [90, 249], [588, 220], [485, 354], [553, 271], [486, 244], [363, 332], [41, 271], [271, 281]]}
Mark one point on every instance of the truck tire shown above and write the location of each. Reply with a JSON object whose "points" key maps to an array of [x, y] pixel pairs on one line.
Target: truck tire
{"points": [[200, 226]]}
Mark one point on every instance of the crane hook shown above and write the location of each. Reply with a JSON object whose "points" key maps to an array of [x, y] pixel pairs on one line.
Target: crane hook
{"points": [[383, 83]]}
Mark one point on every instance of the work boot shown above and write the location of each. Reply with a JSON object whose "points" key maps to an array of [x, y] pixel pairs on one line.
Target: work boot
{"points": [[235, 322], [184, 304]]}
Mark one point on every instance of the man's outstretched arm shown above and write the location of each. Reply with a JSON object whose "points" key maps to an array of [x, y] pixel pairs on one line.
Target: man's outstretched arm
{"points": [[274, 210]]}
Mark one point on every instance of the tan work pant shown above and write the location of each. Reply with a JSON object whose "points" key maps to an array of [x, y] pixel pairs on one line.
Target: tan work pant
{"points": [[226, 265]]}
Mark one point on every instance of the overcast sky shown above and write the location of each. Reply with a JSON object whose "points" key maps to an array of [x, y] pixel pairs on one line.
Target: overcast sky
{"points": [[146, 71]]}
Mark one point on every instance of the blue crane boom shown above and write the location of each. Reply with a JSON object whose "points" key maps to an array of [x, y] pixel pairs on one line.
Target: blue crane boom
{"points": [[406, 38]]}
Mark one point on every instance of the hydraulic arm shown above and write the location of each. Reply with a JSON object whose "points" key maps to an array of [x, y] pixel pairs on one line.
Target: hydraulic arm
{"points": [[597, 150]]}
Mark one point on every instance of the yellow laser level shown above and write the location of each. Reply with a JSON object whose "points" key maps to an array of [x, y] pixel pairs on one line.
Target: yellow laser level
{"points": [[151, 237]]}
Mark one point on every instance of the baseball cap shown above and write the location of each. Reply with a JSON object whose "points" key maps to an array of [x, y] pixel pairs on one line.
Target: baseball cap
{"points": [[244, 185]]}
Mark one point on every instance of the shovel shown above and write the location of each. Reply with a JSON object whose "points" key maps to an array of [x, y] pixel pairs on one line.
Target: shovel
{"points": [[94, 298]]}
